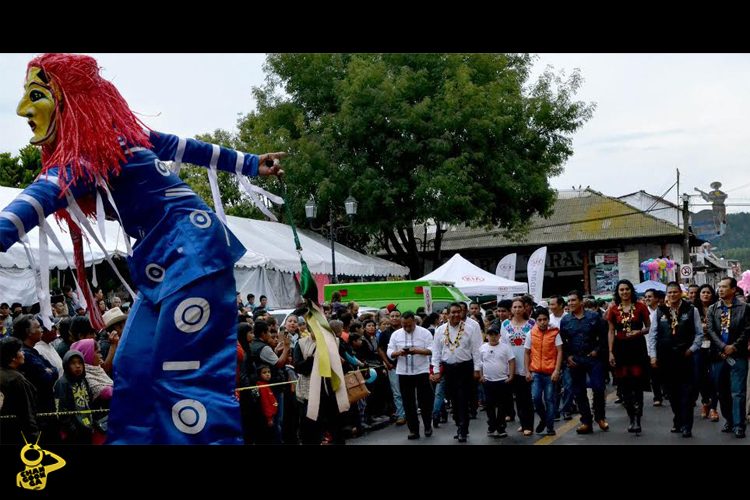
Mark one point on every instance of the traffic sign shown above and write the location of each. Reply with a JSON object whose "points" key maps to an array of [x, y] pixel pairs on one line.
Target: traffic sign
{"points": [[686, 271]]}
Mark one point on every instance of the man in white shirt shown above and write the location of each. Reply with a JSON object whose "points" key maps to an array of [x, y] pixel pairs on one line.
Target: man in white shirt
{"points": [[468, 316], [556, 310], [455, 356], [48, 352], [564, 386], [411, 348]]}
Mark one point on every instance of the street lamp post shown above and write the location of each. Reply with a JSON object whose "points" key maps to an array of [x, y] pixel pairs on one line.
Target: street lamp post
{"points": [[311, 212], [427, 242], [685, 229]]}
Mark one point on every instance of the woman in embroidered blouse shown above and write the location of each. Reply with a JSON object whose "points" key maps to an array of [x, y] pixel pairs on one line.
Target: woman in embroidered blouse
{"points": [[709, 397], [514, 332], [628, 323]]}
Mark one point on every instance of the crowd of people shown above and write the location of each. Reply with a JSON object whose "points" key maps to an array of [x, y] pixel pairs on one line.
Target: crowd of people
{"points": [[520, 362], [57, 381]]}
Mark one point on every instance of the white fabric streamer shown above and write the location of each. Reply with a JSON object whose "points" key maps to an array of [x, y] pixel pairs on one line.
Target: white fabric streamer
{"points": [[80, 218]]}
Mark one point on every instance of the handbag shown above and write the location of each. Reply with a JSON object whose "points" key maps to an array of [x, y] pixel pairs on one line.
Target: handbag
{"points": [[355, 386]]}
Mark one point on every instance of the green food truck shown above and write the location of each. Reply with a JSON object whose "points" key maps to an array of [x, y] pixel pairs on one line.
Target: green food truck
{"points": [[407, 295]]}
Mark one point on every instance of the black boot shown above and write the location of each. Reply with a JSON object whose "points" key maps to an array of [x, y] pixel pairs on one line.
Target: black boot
{"points": [[638, 411], [637, 428], [631, 415]]}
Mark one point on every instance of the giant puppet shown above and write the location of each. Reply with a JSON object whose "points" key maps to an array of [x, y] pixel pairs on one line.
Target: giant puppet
{"points": [[175, 366]]}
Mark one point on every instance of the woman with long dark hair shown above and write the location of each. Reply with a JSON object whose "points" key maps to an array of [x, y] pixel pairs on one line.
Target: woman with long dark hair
{"points": [[628, 323], [514, 332], [709, 397]]}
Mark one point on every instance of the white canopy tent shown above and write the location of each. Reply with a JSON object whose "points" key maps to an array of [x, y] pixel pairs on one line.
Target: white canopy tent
{"points": [[16, 276], [271, 260], [267, 268], [15, 257], [474, 281]]}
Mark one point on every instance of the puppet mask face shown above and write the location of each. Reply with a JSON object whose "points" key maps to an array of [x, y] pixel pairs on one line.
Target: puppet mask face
{"points": [[38, 105]]}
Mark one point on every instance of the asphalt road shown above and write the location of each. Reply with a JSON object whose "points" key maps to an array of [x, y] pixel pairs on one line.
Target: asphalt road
{"points": [[656, 423]]}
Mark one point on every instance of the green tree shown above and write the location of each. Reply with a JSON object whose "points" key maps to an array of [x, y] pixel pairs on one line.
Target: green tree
{"points": [[455, 138], [20, 171]]}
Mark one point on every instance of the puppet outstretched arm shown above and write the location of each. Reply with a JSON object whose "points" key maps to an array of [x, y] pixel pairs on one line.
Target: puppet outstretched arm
{"points": [[42, 197]]}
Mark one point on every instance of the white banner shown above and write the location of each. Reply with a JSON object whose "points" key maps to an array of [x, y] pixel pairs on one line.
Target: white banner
{"points": [[628, 266], [506, 268], [535, 272]]}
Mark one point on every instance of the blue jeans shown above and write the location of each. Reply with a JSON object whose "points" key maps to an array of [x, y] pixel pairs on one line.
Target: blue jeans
{"points": [[393, 379], [543, 393], [594, 368], [278, 419], [437, 407], [731, 382], [564, 402]]}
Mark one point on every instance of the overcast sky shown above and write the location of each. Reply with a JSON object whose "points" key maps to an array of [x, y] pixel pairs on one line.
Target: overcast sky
{"points": [[655, 112]]}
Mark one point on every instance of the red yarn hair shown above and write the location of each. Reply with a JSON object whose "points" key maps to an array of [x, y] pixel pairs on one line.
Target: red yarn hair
{"points": [[92, 117]]}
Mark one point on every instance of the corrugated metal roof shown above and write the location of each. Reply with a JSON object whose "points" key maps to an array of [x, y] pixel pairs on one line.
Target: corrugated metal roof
{"points": [[581, 215]]}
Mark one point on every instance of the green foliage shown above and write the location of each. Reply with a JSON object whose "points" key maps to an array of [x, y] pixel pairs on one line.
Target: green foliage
{"points": [[20, 171], [741, 254], [458, 138], [734, 244], [738, 227]]}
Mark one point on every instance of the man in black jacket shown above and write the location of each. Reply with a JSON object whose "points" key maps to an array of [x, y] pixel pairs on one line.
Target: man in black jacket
{"points": [[728, 324], [19, 396], [676, 334]]}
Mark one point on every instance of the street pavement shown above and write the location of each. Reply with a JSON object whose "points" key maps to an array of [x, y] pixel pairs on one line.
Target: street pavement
{"points": [[656, 423]]}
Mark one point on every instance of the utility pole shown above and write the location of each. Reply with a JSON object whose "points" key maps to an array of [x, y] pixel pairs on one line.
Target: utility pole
{"points": [[678, 194], [685, 229]]}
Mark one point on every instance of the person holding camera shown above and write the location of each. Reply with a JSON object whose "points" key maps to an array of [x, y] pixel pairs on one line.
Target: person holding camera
{"points": [[411, 348]]}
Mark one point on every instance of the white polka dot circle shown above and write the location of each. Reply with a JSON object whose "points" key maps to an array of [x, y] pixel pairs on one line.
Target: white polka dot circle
{"points": [[200, 218], [162, 168], [155, 272], [189, 416], [192, 314]]}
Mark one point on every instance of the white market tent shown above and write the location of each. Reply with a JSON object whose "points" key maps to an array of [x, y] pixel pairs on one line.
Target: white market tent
{"points": [[646, 285], [16, 258], [271, 260], [267, 268], [474, 281], [17, 277]]}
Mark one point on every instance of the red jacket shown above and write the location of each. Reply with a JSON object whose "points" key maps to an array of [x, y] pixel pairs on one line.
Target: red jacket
{"points": [[267, 400]]}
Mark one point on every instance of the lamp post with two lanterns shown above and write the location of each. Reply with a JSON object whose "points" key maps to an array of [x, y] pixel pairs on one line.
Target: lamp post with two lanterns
{"points": [[311, 212]]}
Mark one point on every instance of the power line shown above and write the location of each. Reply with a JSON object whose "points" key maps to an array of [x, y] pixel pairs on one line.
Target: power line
{"points": [[740, 187], [726, 204], [662, 196]]}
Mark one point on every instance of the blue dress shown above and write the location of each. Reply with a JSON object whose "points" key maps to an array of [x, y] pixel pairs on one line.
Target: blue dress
{"points": [[174, 370]]}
